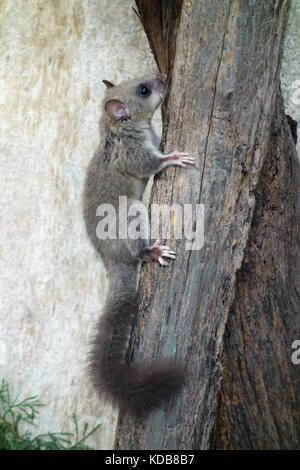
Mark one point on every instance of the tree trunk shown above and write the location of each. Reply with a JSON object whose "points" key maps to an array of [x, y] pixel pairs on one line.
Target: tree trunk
{"points": [[259, 401], [229, 310]]}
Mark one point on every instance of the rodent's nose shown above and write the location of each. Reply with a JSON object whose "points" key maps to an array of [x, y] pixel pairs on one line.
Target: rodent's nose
{"points": [[162, 77], [159, 83]]}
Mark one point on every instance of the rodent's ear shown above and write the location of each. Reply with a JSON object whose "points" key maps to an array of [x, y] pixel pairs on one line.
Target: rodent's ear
{"points": [[108, 84], [117, 110]]}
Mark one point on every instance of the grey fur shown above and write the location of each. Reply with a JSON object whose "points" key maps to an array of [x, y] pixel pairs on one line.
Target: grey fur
{"points": [[125, 158]]}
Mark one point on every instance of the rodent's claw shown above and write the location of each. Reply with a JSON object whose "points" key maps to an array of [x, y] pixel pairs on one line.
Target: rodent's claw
{"points": [[164, 252], [167, 252], [181, 159], [158, 252]]}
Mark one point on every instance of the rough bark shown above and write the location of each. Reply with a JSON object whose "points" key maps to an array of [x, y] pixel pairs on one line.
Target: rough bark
{"points": [[225, 84], [259, 407], [160, 19]]}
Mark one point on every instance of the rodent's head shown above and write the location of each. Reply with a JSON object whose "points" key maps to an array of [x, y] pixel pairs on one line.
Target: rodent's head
{"points": [[134, 99]]}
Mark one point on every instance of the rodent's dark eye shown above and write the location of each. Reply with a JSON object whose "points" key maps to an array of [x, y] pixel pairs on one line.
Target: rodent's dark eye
{"points": [[143, 90]]}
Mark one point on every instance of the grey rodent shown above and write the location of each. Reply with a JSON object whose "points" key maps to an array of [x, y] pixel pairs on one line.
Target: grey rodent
{"points": [[126, 157]]}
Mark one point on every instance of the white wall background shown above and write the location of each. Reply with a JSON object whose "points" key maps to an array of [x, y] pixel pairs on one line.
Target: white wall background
{"points": [[53, 56]]}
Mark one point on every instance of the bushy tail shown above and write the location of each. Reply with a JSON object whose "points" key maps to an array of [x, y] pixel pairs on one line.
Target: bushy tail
{"points": [[135, 387]]}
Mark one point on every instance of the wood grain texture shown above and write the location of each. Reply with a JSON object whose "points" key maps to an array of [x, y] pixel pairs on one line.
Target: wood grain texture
{"points": [[259, 407], [224, 87], [160, 19]]}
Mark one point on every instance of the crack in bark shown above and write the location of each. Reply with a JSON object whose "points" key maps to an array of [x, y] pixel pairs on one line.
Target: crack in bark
{"points": [[214, 98]]}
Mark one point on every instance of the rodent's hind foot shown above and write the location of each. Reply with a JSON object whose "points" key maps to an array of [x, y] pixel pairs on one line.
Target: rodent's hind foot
{"points": [[158, 252]]}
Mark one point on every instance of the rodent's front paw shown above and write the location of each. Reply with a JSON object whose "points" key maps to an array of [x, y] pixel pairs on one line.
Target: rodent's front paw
{"points": [[158, 252], [180, 158]]}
